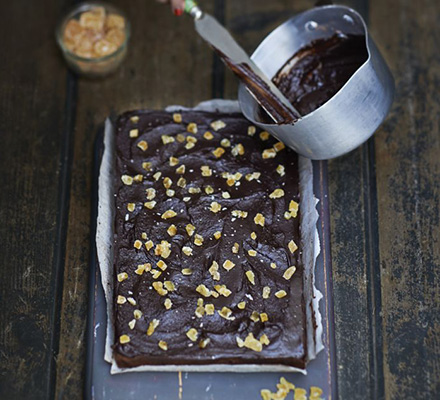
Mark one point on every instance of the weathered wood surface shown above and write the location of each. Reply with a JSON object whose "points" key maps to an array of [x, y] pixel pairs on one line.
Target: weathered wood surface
{"points": [[384, 196], [167, 64], [408, 194], [32, 95]]}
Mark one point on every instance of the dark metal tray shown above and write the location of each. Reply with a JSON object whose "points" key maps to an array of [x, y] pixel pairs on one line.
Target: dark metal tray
{"points": [[101, 385]]}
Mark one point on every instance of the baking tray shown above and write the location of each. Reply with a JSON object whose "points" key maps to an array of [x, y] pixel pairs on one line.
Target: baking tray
{"points": [[101, 385]]}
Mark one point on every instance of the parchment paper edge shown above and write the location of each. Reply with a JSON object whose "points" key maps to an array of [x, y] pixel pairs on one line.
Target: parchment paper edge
{"points": [[310, 246]]}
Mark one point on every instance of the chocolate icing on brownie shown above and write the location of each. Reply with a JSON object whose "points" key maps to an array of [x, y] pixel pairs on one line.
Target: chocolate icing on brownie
{"points": [[207, 268]]}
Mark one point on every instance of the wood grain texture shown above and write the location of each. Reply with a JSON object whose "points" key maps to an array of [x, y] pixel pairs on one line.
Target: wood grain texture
{"points": [[408, 178], [350, 274], [167, 64], [352, 206], [32, 92], [356, 273], [384, 196]]}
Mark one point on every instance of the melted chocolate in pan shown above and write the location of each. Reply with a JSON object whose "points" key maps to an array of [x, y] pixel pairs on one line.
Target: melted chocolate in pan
{"points": [[316, 72]]}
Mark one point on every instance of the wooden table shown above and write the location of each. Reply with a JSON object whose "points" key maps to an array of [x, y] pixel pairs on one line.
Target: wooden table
{"points": [[384, 196]]}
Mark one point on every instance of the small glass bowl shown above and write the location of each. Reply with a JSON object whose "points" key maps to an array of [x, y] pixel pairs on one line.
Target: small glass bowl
{"points": [[98, 66]]}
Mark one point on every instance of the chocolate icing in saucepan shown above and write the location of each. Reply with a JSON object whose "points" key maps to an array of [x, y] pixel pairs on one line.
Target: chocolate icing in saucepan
{"points": [[318, 71], [312, 76]]}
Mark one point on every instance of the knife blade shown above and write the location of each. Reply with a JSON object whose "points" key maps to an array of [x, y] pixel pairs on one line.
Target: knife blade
{"points": [[258, 84]]}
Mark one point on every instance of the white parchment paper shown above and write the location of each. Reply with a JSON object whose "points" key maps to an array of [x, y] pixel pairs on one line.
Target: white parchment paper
{"points": [[310, 252]]}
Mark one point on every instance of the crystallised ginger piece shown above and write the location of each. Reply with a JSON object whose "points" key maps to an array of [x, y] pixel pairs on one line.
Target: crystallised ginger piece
{"points": [[278, 146], [150, 204], [209, 308], [192, 127], [167, 303], [143, 145], [277, 193], [264, 339], [198, 240], [235, 248], [264, 135], [208, 135], [146, 166], [115, 21], [215, 207], [123, 339], [127, 180], [122, 276], [204, 342], [251, 343], [280, 294], [172, 230], [173, 161], [188, 251], [190, 229], [228, 265], [168, 214], [293, 208], [238, 150], [292, 246], [239, 214], [251, 277], [186, 271], [288, 273], [218, 152], [259, 219], [152, 326], [177, 118], [281, 170], [206, 171], [269, 153], [251, 130], [266, 292], [180, 170], [217, 125], [203, 290], [192, 334], [134, 133], [151, 193], [163, 345], [226, 313]]}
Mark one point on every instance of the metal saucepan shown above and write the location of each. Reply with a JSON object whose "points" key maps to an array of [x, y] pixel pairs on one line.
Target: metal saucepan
{"points": [[353, 114]]}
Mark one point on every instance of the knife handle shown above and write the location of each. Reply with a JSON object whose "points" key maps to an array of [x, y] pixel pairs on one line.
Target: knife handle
{"points": [[189, 4], [192, 8]]}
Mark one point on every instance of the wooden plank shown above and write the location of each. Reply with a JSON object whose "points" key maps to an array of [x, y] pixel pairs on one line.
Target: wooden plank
{"points": [[167, 64], [351, 214], [350, 274], [32, 97], [408, 175], [357, 302]]}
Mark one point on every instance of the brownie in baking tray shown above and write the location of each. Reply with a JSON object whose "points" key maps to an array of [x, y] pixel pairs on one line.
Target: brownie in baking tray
{"points": [[207, 250]]}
